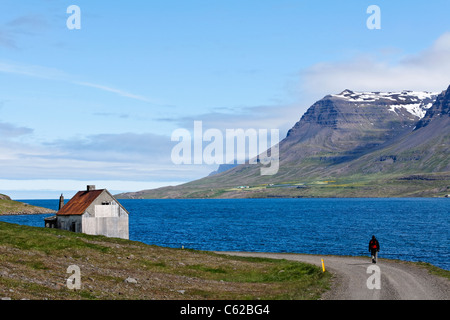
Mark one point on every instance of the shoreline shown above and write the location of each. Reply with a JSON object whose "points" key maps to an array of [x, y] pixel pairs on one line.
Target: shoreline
{"points": [[10, 214]]}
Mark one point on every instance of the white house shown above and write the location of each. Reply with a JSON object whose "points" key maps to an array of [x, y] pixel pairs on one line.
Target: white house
{"points": [[94, 212]]}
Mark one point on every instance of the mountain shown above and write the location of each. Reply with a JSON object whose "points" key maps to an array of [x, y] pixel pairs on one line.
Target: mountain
{"points": [[425, 149], [351, 144]]}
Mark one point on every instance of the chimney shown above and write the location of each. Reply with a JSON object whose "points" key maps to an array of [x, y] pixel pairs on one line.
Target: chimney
{"points": [[61, 202], [90, 188]]}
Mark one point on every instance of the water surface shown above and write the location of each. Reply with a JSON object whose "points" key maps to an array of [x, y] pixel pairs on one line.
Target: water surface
{"points": [[415, 229]]}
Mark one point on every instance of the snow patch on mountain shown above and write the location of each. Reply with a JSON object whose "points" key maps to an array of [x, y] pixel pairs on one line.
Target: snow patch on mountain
{"points": [[414, 102]]}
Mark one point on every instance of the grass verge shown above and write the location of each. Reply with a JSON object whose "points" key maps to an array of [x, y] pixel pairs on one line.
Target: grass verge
{"points": [[34, 262]]}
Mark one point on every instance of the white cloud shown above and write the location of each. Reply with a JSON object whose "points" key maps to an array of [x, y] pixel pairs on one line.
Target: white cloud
{"points": [[428, 70]]}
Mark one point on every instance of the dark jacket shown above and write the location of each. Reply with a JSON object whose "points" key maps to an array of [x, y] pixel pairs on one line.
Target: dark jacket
{"points": [[374, 245]]}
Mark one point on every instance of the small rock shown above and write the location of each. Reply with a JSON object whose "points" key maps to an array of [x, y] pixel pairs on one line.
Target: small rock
{"points": [[6, 298], [60, 286], [130, 280], [181, 291]]}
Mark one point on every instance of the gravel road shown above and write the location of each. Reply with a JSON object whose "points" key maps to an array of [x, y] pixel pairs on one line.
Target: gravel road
{"points": [[399, 281]]}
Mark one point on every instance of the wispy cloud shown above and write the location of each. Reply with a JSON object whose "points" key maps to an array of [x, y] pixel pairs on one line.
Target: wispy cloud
{"points": [[124, 147], [112, 114], [28, 25], [8, 130], [54, 74], [114, 90], [6, 40], [425, 71], [282, 117], [34, 71]]}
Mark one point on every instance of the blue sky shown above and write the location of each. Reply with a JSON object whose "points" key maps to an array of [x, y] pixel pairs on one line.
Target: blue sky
{"points": [[98, 105]]}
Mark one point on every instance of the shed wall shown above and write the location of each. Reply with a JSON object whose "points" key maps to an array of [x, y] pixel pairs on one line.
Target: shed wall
{"points": [[106, 219]]}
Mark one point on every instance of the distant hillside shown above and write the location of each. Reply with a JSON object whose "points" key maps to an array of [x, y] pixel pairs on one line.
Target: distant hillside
{"points": [[11, 207], [352, 144]]}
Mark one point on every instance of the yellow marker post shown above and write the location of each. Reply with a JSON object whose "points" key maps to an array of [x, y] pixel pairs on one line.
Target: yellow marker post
{"points": [[323, 266]]}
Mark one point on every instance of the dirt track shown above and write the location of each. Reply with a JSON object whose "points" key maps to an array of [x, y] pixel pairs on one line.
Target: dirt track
{"points": [[399, 281]]}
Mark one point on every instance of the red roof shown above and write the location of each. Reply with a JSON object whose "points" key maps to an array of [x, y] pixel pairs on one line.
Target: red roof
{"points": [[79, 203]]}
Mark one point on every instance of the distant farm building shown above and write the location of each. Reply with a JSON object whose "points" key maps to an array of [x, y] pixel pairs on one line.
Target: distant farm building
{"points": [[92, 211]]}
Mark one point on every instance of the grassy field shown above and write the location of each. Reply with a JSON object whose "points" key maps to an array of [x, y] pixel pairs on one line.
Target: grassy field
{"points": [[34, 262], [11, 207]]}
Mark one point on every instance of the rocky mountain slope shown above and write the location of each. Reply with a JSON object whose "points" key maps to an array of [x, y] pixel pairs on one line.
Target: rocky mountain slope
{"points": [[349, 144]]}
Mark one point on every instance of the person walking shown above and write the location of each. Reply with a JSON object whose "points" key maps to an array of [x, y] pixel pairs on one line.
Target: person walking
{"points": [[374, 248]]}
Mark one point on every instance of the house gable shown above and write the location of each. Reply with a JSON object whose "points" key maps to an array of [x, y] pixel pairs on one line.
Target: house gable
{"points": [[104, 199]]}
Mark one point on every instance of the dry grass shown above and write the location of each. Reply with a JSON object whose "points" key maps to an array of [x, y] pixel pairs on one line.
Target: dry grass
{"points": [[11, 207], [34, 262]]}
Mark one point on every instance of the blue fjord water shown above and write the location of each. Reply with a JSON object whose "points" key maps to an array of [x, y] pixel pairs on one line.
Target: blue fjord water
{"points": [[414, 229]]}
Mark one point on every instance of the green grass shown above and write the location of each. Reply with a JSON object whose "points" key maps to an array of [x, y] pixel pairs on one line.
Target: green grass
{"points": [[35, 262], [45, 240], [8, 206], [435, 270]]}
